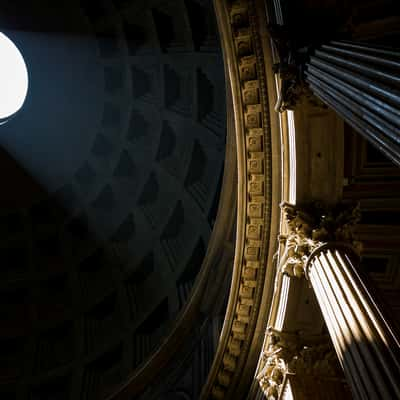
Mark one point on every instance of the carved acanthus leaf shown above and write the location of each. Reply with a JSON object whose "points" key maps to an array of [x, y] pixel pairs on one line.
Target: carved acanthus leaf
{"points": [[281, 349], [290, 353], [290, 69]]}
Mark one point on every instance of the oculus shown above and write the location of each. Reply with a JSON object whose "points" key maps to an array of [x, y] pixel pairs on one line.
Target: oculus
{"points": [[13, 79]]}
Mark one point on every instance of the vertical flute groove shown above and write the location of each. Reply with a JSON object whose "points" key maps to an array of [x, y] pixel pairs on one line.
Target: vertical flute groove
{"points": [[348, 328], [362, 338], [334, 330], [361, 83]]}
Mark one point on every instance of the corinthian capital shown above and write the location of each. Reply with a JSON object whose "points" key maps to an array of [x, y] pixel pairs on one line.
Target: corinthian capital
{"points": [[292, 353], [281, 349], [313, 225]]}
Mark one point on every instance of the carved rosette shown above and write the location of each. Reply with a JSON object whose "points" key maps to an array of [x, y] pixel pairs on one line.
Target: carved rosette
{"points": [[287, 353], [312, 226]]}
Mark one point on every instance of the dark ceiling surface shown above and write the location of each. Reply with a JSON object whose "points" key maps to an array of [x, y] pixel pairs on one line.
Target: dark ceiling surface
{"points": [[111, 176]]}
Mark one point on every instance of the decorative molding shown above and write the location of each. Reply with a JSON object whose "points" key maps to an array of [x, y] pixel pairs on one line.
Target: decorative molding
{"points": [[244, 60], [311, 227]]}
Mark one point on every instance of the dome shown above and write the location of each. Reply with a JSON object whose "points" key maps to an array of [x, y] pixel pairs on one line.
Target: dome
{"points": [[118, 163]]}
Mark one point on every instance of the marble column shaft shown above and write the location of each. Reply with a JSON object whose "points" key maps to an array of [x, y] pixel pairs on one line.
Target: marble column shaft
{"points": [[362, 84], [367, 348]]}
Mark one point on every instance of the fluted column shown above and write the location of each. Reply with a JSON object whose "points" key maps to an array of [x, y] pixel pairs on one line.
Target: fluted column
{"points": [[364, 342], [322, 248], [362, 84], [359, 81]]}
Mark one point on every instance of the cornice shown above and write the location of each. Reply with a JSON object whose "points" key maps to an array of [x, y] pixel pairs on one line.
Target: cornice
{"points": [[251, 288]]}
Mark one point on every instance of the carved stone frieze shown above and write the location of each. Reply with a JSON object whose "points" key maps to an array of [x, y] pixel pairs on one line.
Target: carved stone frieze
{"points": [[292, 353], [254, 149], [312, 226]]}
